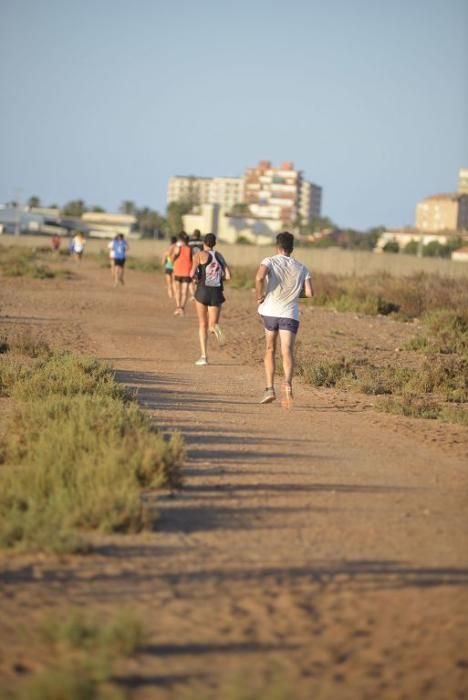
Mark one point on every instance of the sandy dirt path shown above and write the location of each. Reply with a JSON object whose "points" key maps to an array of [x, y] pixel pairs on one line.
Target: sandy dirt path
{"points": [[324, 541]]}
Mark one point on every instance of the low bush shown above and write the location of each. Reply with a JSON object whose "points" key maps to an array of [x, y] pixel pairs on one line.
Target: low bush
{"points": [[446, 333], [407, 297], [16, 261], [242, 277], [419, 392], [76, 454], [327, 373], [150, 264], [82, 655]]}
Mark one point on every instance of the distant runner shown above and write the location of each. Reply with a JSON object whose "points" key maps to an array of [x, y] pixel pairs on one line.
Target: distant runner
{"points": [[182, 259], [120, 248], [169, 267], [110, 248], [209, 269], [279, 283], [78, 246], [56, 242], [196, 245]]}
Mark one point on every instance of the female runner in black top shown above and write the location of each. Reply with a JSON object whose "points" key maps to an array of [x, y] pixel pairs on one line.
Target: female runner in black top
{"points": [[209, 269]]}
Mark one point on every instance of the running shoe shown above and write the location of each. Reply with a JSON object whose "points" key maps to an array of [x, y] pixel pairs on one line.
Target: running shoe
{"points": [[268, 395], [219, 335], [286, 395], [202, 361]]}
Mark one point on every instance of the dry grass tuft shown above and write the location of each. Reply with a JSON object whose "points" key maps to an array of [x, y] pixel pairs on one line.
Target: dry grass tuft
{"points": [[76, 455]]}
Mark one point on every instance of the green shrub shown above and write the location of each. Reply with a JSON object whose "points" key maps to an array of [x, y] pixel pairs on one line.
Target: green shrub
{"points": [[447, 333], [83, 652], [242, 277], [409, 297], [391, 247], [416, 392], [77, 453], [411, 248], [327, 373], [434, 249], [150, 264], [16, 261], [410, 406]]}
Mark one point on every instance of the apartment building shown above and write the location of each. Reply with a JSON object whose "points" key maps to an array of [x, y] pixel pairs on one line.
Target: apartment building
{"points": [[281, 193], [310, 201], [442, 212], [225, 191], [463, 181]]}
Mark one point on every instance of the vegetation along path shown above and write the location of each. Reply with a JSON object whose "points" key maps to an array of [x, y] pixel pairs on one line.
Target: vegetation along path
{"points": [[323, 546]]}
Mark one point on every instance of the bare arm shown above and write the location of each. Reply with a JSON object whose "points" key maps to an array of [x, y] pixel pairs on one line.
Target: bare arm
{"points": [[260, 278], [308, 289], [227, 273], [195, 264], [175, 252]]}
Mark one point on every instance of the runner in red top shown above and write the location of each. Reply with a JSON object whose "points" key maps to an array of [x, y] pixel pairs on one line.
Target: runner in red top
{"points": [[182, 258]]}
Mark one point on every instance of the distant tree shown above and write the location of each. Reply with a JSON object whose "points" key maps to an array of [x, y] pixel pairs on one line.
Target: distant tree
{"points": [[391, 247], [324, 242], [151, 223], [369, 238], [128, 207], [455, 243], [175, 212], [74, 208], [362, 240], [411, 248], [98, 210], [240, 209], [320, 223], [34, 201], [434, 249]]}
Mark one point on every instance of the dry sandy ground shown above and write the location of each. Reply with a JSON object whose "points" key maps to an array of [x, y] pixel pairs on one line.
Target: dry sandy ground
{"points": [[329, 541]]}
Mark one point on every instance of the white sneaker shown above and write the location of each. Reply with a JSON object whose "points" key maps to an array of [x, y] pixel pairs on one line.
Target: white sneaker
{"points": [[202, 361], [219, 335]]}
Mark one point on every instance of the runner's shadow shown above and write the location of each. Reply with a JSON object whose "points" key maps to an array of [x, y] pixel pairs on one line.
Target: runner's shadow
{"points": [[358, 574]]}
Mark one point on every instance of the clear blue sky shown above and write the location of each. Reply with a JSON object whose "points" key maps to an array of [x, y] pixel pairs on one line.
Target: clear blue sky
{"points": [[103, 100]]}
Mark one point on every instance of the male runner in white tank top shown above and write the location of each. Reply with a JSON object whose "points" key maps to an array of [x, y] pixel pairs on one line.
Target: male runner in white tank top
{"points": [[279, 283]]}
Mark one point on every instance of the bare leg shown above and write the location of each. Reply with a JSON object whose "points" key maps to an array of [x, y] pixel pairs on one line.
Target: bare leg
{"points": [[177, 293], [183, 294], [169, 285], [214, 313], [202, 313], [287, 354], [270, 349]]}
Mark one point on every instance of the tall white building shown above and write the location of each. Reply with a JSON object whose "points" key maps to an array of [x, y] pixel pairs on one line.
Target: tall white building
{"points": [[225, 191]]}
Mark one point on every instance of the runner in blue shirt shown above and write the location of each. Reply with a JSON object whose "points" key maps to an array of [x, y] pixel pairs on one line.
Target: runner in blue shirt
{"points": [[119, 248]]}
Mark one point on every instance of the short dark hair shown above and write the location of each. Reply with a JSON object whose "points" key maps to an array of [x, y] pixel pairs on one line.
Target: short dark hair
{"points": [[210, 240], [285, 241], [173, 239], [183, 237]]}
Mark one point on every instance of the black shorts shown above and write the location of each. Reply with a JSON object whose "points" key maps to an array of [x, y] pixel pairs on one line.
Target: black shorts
{"points": [[182, 279], [119, 262], [209, 296], [277, 323], [167, 271]]}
